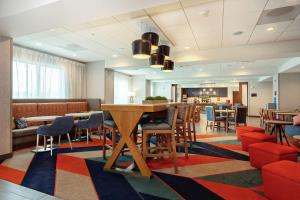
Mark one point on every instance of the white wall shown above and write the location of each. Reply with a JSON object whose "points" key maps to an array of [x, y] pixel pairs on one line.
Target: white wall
{"points": [[161, 89], [289, 91], [5, 96], [138, 85], [264, 96], [95, 80]]}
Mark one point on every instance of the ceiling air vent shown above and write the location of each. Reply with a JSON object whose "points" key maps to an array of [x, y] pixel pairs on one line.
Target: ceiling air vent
{"points": [[279, 15]]}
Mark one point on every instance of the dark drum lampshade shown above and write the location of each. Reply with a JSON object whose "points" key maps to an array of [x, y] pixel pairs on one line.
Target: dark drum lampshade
{"points": [[168, 66], [165, 50], [141, 49], [153, 38], [157, 60]]}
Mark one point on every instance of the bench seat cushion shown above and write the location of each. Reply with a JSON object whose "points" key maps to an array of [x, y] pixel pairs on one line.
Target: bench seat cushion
{"points": [[281, 180], [265, 152], [156, 126], [31, 130]]}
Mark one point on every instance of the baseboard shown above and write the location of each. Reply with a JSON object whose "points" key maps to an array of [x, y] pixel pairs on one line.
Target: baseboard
{"points": [[5, 156], [256, 116]]}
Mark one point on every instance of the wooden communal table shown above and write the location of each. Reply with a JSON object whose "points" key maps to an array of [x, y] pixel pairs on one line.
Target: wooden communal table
{"points": [[227, 112], [278, 128], [285, 114], [44, 119], [126, 117]]}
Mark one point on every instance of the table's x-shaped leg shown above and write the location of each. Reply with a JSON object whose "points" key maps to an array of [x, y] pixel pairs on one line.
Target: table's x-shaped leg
{"points": [[126, 122]]}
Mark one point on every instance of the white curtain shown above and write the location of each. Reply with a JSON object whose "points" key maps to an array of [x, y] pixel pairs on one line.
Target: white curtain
{"points": [[40, 75], [122, 85]]}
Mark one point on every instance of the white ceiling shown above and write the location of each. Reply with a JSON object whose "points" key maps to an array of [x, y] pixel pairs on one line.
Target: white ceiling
{"points": [[200, 33]]}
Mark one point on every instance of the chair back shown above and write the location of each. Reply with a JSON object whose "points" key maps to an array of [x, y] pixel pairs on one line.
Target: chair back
{"points": [[183, 112], [172, 114], [191, 112], [210, 113], [62, 125], [95, 120], [107, 116], [241, 114]]}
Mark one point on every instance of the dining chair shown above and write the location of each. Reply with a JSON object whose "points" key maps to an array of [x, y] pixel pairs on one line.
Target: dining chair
{"points": [[182, 128], [212, 120], [95, 121], [60, 126], [240, 117], [109, 127], [261, 117], [165, 137], [191, 121]]}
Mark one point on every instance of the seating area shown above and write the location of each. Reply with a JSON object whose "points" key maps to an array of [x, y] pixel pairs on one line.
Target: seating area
{"points": [[150, 100]]}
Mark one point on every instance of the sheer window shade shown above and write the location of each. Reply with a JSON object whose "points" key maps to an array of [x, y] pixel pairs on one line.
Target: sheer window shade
{"points": [[122, 84], [39, 75]]}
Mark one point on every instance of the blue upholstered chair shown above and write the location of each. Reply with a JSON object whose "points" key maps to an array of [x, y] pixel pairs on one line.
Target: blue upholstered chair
{"points": [[212, 120], [292, 130], [93, 122], [165, 137], [60, 126]]}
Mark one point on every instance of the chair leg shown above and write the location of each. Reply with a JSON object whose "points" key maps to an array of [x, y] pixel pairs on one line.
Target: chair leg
{"points": [[37, 142], [113, 138], [190, 135], [103, 144], [174, 152], [185, 143], [51, 143], [45, 143], [194, 131], [68, 135], [144, 146], [59, 139], [87, 136], [206, 125]]}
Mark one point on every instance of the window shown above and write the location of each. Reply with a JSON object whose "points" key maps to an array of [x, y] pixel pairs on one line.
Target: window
{"points": [[35, 81], [40, 75], [122, 84]]}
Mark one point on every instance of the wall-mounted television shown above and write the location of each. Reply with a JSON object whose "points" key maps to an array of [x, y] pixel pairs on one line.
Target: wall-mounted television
{"points": [[206, 91]]}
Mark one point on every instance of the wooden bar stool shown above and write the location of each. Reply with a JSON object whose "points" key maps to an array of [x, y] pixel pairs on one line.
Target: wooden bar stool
{"points": [[181, 127], [165, 137]]}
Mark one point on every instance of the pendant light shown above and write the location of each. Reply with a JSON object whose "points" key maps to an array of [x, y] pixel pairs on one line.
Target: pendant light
{"points": [[168, 66], [141, 49], [153, 38], [157, 60], [165, 50]]}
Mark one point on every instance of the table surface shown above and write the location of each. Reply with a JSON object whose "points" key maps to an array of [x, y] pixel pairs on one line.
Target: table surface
{"points": [[288, 113], [278, 122], [41, 118], [224, 111], [83, 114]]}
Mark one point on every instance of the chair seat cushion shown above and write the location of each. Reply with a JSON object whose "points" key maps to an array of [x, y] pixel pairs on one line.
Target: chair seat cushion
{"points": [[110, 123], [156, 126], [81, 123], [179, 121]]}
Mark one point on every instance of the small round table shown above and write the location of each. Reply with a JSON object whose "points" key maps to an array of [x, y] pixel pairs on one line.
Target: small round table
{"points": [[278, 128]]}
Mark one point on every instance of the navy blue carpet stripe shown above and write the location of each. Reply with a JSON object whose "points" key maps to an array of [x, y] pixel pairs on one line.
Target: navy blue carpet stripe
{"points": [[41, 173], [187, 187], [78, 149], [110, 186], [202, 151], [227, 153], [151, 197]]}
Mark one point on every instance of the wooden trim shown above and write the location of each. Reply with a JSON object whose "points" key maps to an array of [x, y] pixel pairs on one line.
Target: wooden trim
{"points": [[254, 116], [46, 100], [5, 156]]}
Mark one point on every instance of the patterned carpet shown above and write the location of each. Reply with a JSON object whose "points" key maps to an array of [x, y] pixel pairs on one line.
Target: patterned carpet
{"points": [[216, 169]]}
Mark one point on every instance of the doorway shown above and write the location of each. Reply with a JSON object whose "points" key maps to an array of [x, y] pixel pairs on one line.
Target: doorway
{"points": [[235, 97]]}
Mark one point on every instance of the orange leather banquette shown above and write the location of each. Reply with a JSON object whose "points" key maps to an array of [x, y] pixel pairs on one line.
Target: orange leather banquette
{"points": [[27, 137], [45, 109]]}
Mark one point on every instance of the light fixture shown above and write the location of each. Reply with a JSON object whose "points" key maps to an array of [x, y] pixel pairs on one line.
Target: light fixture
{"points": [[270, 29], [168, 66], [204, 89], [115, 55], [141, 49], [204, 13], [214, 92], [74, 55], [157, 60], [165, 50], [242, 67], [153, 38], [238, 33], [210, 89], [187, 47], [38, 44]]}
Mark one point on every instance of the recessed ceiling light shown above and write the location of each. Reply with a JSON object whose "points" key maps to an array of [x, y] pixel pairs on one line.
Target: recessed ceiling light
{"points": [[38, 44], [115, 55], [270, 29], [201, 70], [74, 55], [242, 67], [187, 47], [204, 13], [238, 33]]}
